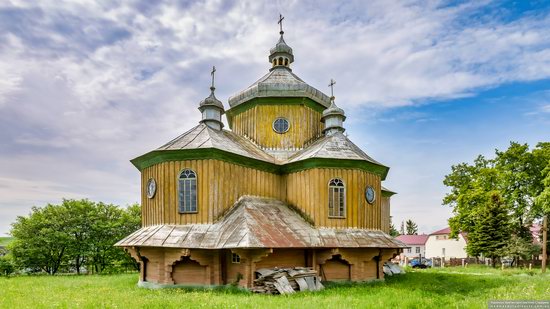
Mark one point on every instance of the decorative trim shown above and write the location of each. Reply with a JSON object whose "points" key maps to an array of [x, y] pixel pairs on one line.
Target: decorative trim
{"points": [[158, 156]]}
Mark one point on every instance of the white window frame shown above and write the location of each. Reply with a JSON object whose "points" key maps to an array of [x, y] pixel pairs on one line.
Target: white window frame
{"points": [[334, 190], [187, 204], [235, 258], [283, 119]]}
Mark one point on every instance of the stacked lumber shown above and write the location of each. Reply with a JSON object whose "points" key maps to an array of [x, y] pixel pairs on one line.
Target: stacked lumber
{"points": [[286, 280]]}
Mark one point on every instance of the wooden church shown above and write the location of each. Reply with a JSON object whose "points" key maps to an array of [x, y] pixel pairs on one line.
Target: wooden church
{"points": [[284, 187]]}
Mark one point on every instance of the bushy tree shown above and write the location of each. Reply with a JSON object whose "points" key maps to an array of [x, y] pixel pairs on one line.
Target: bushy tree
{"points": [[520, 177], [7, 266], [41, 239], [75, 234], [518, 247]]}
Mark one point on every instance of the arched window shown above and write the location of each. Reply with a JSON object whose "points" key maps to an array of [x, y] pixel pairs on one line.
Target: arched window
{"points": [[286, 61], [274, 62], [280, 60], [187, 191], [336, 198]]}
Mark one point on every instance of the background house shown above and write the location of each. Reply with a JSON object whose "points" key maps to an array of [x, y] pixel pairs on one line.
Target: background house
{"points": [[439, 244], [416, 245]]}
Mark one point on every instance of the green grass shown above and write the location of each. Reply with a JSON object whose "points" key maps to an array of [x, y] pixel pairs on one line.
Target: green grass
{"points": [[436, 288], [4, 241]]}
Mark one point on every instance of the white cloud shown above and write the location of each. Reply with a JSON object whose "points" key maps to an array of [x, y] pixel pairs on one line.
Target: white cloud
{"points": [[89, 85]]}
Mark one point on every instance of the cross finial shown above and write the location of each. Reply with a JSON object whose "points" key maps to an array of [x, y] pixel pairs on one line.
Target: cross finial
{"points": [[331, 85], [213, 73], [280, 22]]}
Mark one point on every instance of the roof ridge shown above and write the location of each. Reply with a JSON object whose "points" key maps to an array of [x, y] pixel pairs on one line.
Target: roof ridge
{"points": [[171, 142]]}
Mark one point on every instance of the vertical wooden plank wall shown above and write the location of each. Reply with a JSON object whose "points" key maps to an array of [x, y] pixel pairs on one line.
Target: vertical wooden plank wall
{"points": [[386, 214], [308, 190], [256, 123], [219, 185]]}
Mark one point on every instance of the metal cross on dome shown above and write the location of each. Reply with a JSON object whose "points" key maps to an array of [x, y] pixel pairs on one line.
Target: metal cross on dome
{"points": [[280, 22], [331, 85], [212, 73]]}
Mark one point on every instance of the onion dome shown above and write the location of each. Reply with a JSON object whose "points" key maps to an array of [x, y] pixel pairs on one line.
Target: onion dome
{"points": [[212, 108], [334, 118], [281, 55]]}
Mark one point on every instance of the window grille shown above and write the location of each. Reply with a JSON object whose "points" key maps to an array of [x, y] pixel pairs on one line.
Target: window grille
{"points": [[336, 198], [187, 191]]}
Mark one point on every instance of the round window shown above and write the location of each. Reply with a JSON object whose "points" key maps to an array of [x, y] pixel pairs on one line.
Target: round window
{"points": [[370, 194], [151, 187], [280, 125]]}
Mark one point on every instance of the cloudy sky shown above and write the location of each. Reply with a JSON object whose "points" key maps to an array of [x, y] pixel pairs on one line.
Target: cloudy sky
{"points": [[87, 85]]}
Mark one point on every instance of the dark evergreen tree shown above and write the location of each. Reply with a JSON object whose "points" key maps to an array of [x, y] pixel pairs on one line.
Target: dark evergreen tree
{"points": [[491, 232], [393, 231], [411, 227]]}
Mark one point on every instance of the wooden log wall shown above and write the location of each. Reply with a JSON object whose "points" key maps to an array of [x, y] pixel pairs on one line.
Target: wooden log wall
{"points": [[385, 214], [219, 185], [308, 190], [256, 123]]}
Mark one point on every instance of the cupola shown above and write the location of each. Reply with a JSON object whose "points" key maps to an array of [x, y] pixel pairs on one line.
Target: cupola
{"points": [[333, 116], [281, 55], [212, 108]]}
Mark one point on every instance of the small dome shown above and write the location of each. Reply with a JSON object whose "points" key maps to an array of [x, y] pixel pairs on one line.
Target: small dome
{"points": [[281, 54], [281, 47], [334, 110], [211, 100]]}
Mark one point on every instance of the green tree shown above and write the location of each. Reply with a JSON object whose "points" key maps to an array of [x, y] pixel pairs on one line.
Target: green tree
{"points": [[518, 247], [41, 239], [393, 231], [110, 224], [75, 234], [7, 266], [520, 176], [411, 227], [491, 231], [520, 180], [79, 226], [469, 185]]}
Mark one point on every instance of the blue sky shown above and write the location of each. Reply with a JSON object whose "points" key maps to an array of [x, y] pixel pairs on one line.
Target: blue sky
{"points": [[88, 85]]}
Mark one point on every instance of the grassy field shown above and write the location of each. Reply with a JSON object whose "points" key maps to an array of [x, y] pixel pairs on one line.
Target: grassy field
{"points": [[450, 287]]}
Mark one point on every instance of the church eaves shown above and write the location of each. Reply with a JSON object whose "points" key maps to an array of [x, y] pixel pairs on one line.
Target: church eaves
{"points": [[257, 222], [203, 142]]}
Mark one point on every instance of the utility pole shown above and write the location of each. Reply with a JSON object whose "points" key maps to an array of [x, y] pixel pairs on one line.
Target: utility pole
{"points": [[544, 242]]}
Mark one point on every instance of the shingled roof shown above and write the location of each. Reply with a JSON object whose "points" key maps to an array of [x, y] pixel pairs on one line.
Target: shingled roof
{"points": [[279, 82], [257, 222], [202, 136], [335, 146]]}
